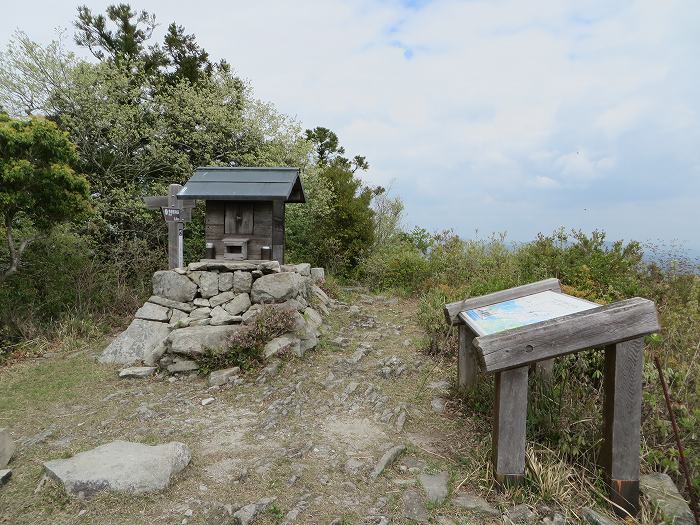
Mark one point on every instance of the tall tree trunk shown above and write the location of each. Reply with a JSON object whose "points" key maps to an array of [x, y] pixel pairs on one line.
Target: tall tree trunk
{"points": [[15, 251]]}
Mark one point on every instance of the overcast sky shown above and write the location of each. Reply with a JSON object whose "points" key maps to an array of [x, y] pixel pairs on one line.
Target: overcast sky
{"points": [[501, 116]]}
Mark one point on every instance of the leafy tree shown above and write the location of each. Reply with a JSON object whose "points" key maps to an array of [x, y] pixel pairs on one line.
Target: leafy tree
{"points": [[179, 58], [349, 228], [37, 182]]}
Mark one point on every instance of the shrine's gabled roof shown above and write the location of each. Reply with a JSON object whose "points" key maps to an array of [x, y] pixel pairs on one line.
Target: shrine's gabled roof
{"points": [[258, 184]]}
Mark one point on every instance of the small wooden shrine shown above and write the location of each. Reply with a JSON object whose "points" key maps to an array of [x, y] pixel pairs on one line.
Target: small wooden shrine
{"points": [[245, 209]]}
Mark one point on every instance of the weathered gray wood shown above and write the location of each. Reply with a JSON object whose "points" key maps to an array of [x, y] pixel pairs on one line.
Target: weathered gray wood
{"points": [[608, 324], [622, 410], [545, 368], [509, 418], [278, 231], [468, 364], [175, 231], [452, 310], [156, 202]]}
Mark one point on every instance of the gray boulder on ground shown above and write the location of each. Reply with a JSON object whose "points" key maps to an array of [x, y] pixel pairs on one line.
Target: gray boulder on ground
{"points": [[136, 342], [174, 286], [435, 485], [596, 518], [5, 475], [277, 287], [120, 466], [153, 312], [7, 447], [475, 504], [662, 492], [245, 515], [194, 339], [414, 507], [387, 459], [521, 514]]}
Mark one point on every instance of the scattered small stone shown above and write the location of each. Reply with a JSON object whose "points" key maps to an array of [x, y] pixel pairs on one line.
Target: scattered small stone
{"points": [[555, 519], [183, 365], [137, 372], [521, 514], [438, 405], [440, 385], [354, 466], [475, 504], [221, 377], [5, 475], [7, 447], [38, 438], [414, 507], [387, 459], [207, 401], [596, 518], [435, 485], [662, 492], [401, 421], [245, 515]]}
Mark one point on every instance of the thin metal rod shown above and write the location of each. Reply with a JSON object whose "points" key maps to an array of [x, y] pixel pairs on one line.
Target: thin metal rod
{"points": [[681, 451]]}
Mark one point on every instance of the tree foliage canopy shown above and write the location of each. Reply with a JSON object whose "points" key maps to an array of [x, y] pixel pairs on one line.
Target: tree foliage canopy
{"points": [[37, 180]]}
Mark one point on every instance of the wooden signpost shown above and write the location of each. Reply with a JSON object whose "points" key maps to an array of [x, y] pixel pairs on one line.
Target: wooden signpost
{"points": [[176, 213], [505, 332]]}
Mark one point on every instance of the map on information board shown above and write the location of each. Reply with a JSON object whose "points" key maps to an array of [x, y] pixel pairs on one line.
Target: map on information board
{"points": [[523, 311]]}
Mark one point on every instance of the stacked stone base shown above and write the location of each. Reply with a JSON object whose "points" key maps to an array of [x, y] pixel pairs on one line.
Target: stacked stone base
{"points": [[200, 307]]}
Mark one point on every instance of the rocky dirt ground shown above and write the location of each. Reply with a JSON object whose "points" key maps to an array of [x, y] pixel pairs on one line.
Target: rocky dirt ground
{"points": [[301, 441]]}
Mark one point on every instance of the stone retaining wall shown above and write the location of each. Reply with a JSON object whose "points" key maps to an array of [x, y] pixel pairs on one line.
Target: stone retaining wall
{"points": [[200, 306]]}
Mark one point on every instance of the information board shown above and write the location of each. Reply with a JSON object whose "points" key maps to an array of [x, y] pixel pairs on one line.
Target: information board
{"points": [[523, 311]]}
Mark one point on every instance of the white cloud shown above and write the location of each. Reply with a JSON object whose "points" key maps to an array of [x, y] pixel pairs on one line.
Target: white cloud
{"points": [[514, 107]]}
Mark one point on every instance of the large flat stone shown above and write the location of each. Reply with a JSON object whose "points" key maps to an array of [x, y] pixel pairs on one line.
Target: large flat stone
{"points": [[176, 305], [223, 266], [662, 492], [283, 343], [435, 485], [238, 304], [120, 466], [195, 339], [139, 340], [278, 287], [7, 447], [153, 312], [172, 285]]}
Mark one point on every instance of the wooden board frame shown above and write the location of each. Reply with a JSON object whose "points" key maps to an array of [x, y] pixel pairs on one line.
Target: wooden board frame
{"points": [[452, 310], [618, 327]]}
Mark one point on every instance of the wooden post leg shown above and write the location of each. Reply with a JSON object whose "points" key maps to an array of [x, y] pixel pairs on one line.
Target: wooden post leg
{"points": [[622, 409], [174, 237], [545, 368], [467, 360], [509, 418]]}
